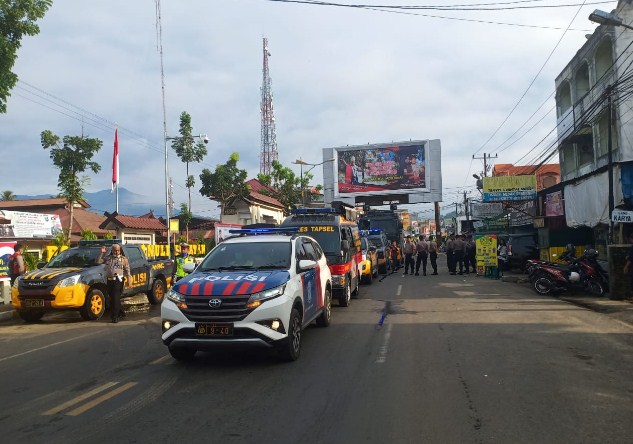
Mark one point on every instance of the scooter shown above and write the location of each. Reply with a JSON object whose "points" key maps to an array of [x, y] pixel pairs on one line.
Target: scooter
{"points": [[550, 278]]}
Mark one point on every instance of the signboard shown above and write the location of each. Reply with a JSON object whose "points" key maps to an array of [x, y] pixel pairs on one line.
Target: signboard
{"points": [[174, 225], [554, 205], [522, 213], [486, 210], [385, 169], [513, 188], [230, 211], [18, 224], [486, 251], [6, 250], [222, 231], [622, 216]]}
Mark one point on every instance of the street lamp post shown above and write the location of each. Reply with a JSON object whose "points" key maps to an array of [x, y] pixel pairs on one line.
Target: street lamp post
{"points": [[313, 165]]}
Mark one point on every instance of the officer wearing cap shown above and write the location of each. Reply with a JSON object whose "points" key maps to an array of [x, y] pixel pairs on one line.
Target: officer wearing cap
{"points": [[182, 259]]}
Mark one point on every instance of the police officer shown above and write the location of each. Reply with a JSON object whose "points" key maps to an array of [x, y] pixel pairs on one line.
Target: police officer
{"points": [[182, 259], [117, 269]]}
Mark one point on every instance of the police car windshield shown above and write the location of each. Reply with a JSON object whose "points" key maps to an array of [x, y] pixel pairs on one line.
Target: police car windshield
{"points": [[75, 257], [251, 255]]}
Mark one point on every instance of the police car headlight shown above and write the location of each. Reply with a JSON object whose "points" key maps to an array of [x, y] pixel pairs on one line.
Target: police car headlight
{"points": [[258, 299], [69, 281], [176, 297]]}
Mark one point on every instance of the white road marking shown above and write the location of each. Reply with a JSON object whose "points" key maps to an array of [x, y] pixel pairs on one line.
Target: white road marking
{"points": [[382, 353], [399, 290], [6, 358]]}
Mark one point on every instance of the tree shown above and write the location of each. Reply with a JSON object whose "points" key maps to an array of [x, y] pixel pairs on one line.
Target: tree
{"points": [[188, 150], [184, 218], [286, 186], [226, 184], [87, 234], [72, 157], [7, 195], [17, 19]]}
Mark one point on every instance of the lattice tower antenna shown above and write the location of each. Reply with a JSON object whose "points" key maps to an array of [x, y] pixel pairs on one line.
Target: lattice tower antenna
{"points": [[269, 137]]}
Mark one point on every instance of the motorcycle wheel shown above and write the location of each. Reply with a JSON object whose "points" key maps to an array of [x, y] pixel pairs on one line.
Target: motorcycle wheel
{"points": [[543, 285], [595, 288]]}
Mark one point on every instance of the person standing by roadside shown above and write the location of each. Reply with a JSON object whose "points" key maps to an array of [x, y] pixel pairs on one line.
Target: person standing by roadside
{"points": [[458, 246], [628, 266], [450, 256], [183, 258], [433, 254], [394, 253], [16, 263], [409, 251], [422, 248], [117, 270], [470, 254]]}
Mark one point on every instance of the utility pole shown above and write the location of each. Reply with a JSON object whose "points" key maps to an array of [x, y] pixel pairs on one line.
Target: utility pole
{"points": [[485, 159], [268, 134], [438, 229], [610, 160], [466, 208]]}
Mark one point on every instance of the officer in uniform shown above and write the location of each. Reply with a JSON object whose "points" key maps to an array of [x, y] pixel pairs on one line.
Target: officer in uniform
{"points": [[117, 270], [182, 259]]}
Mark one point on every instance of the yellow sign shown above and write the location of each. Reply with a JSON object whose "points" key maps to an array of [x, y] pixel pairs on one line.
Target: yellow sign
{"points": [[317, 229], [499, 184], [486, 251], [174, 224]]}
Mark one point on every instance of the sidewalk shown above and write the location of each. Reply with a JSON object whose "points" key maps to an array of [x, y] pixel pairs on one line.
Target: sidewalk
{"points": [[621, 310], [7, 312]]}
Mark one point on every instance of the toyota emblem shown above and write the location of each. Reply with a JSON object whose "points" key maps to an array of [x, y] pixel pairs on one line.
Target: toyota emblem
{"points": [[215, 303]]}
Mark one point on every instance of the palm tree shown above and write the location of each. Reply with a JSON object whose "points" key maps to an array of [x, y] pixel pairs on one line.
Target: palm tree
{"points": [[7, 195]]}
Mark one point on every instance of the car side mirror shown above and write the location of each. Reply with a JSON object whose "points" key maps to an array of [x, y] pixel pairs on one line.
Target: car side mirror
{"points": [[307, 264], [189, 267], [41, 265]]}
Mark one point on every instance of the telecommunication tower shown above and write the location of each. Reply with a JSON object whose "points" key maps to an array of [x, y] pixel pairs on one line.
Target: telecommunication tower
{"points": [[269, 138]]}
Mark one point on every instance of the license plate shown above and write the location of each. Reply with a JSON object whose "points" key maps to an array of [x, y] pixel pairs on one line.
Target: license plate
{"points": [[214, 329], [33, 302]]}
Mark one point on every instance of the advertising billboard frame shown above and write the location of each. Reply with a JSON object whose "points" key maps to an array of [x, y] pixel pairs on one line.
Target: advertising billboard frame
{"points": [[390, 173]]}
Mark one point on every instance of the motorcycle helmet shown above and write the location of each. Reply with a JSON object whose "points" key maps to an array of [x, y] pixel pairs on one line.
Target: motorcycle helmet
{"points": [[574, 277], [591, 253]]}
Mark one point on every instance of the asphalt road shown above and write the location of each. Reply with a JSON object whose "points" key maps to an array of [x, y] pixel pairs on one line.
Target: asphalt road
{"points": [[458, 359]]}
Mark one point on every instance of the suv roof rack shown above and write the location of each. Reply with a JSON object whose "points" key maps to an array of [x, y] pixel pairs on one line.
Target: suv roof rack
{"points": [[257, 231]]}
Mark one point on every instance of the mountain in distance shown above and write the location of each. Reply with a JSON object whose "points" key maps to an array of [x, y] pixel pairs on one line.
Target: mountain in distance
{"points": [[130, 204]]}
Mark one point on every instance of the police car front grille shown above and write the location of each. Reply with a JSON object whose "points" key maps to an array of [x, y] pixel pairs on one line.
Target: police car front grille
{"points": [[232, 309]]}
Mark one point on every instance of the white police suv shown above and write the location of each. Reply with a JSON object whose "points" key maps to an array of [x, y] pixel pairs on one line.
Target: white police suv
{"points": [[260, 287]]}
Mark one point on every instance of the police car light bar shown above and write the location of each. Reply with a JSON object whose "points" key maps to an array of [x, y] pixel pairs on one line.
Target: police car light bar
{"points": [[375, 231], [314, 211], [264, 230]]}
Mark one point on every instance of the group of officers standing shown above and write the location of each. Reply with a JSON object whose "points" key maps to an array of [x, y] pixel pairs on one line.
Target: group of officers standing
{"points": [[461, 251], [418, 253], [461, 254]]}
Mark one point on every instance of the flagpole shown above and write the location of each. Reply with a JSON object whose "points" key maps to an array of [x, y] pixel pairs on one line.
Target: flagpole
{"points": [[115, 169]]}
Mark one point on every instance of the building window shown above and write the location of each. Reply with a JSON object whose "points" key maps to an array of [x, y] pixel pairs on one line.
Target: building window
{"points": [[603, 134], [585, 153], [582, 81], [563, 98], [568, 159], [604, 59]]}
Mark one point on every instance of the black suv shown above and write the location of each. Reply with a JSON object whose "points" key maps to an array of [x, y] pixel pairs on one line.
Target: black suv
{"points": [[521, 248], [378, 239]]}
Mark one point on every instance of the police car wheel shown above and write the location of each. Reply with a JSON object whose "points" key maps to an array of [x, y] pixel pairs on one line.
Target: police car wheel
{"points": [[182, 354], [325, 318], [345, 296], [291, 349], [157, 294], [94, 306]]}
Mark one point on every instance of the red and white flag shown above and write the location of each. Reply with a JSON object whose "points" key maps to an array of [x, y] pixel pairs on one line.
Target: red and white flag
{"points": [[115, 160]]}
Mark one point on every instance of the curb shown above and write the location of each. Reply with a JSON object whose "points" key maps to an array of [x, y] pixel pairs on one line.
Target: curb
{"points": [[7, 315]]}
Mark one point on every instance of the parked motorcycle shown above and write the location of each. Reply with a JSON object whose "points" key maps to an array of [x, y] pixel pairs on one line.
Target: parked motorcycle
{"points": [[582, 273]]}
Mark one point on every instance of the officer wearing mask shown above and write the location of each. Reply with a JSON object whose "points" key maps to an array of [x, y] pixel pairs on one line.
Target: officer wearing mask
{"points": [[117, 270], [182, 259]]}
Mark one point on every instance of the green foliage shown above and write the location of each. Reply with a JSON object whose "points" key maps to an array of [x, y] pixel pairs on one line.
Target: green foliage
{"points": [[30, 259], [59, 241], [17, 19], [185, 216], [7, 195], [72, 155], [286, 186], [108, 236], [226, 184], [87, 234]]}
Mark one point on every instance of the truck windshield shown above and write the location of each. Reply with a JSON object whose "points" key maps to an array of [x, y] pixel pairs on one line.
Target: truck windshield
{"points": [[375, 242], [252, 255], [75, 257], [330, 241]]}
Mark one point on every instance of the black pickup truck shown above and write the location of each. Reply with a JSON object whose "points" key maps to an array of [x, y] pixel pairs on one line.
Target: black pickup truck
{"points": [[73, 280]]}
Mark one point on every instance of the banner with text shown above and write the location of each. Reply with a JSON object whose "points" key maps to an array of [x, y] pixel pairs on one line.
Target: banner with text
{"points": [[18, 224], [509, 188]]}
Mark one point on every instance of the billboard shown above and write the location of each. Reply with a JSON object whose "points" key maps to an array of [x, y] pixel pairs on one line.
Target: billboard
{"points": [[554, 205], [18, 224], [513, 188], [384, 169]]}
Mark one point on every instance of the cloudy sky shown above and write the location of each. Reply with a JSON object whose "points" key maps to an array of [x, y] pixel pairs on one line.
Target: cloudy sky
{"points": [[340, 76]]}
